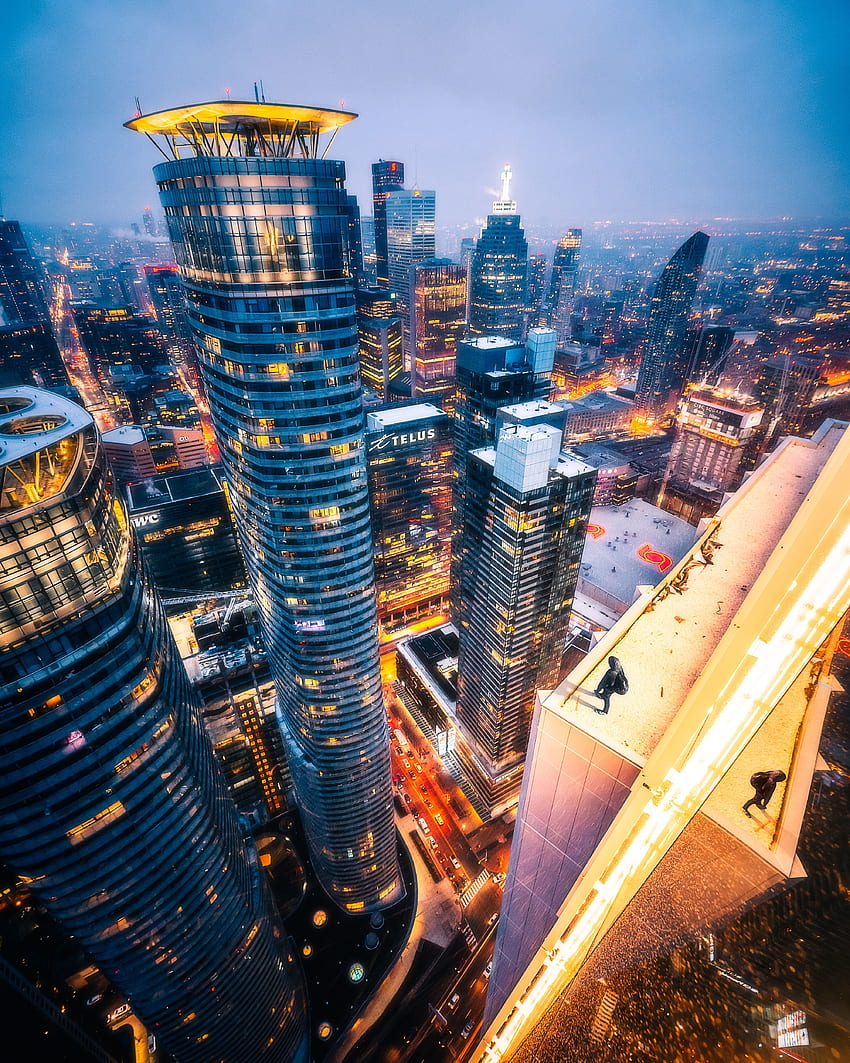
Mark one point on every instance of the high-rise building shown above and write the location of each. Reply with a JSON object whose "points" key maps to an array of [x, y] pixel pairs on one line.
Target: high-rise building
{"points": [[379, 336], [186, 533], [119, 341], [355, 239], [22, 300], [785, 386], [270, 296], [706, 350], [630, 838], [410, 239], [438, 322], [716, 444], [166, 294], [410, 488], [523, 532], [112, 810], [562, 285], [662, 374], [498, 272], [386, 177], [28, 350], [537, 268]]}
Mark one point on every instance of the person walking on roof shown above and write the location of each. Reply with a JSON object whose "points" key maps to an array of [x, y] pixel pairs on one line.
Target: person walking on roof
{"points": [[613, 682], [764, 784]]}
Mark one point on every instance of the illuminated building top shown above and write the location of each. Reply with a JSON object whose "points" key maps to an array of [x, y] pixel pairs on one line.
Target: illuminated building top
{"points": [[32, 419], [237, 128], [505, 205]]}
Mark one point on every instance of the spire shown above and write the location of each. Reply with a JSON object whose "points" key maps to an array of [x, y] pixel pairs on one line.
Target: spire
{"points": [[505, 205]]}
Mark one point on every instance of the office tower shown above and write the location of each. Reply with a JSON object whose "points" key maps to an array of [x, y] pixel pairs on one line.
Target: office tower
{"points": [[630, 838], [409, 452], [121, 344], [270, 296], [22, 300], [355, 240], [410, 240], [438, 322], [379, 339], [28, 350], [166, 294], [784, 386], [537, 268], [386, 177], [661, 377], [491, 372], [112, 810], [367, 239], [706, 350], [186, 534], [498, 271], [562, 285], [148, 223], [523, 532], [716, 444]]}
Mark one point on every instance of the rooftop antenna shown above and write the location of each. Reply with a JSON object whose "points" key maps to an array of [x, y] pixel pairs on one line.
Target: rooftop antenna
{"points": [[262, 91], [256, 93], [227, 93], [138, 108]]}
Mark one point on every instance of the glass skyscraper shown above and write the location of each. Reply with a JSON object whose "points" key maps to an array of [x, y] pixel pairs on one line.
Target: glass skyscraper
{"points": [[387, 176], [562, 284], [28, 350], [410, 239], [112, 810], [498, 272], [259, 224], [438, 319], [663, 366]]}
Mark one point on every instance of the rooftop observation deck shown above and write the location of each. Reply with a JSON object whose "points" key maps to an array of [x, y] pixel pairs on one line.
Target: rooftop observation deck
{"points": [[237, 128], [722, 659]]}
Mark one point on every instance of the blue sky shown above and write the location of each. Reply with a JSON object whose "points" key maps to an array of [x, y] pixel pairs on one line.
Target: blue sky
{"points": [[626, 109]]}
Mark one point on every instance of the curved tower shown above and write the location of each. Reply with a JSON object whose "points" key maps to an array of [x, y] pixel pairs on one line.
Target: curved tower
{"points": [[112, 808], [663, 368], [258, 219]]}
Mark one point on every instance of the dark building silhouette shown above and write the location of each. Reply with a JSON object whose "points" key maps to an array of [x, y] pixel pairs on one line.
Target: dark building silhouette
{"points": [[112, 809], [663, 368], [386, 178], [28, 350], [562, 285]]}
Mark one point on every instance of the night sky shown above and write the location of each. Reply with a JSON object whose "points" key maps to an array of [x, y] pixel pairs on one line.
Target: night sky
{"points": [[623, 110]]}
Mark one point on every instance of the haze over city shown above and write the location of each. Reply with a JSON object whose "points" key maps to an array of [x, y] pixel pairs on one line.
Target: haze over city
{"points": [[620, 110]]}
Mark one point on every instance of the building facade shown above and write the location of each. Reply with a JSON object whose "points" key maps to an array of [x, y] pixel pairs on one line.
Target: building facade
{"points": [[387, 176], [379, 335], [411, 239], [663, 367], [523, 532], [437, 323], [270, 295], [410, 487], [562, 285], [112, 809], [716, 444]]}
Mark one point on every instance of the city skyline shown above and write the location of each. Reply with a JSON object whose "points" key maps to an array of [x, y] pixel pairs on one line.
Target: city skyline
{"points": [[624, 87]]}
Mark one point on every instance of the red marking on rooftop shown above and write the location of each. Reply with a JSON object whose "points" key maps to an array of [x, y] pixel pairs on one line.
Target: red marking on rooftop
{"points": [[595, 530], [655, 557]]}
